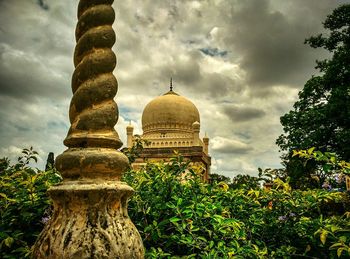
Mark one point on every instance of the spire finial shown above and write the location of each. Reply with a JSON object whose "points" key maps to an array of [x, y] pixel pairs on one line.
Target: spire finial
{"points": [[171, 84]]}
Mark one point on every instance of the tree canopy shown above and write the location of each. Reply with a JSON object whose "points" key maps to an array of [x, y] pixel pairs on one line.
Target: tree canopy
{"points": [[321, 116]]}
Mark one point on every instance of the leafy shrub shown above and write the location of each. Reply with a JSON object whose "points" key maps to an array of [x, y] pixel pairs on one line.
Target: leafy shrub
{"points": [[329, 171], [24, 205], [178, 215], [216, 178], [134, 152], [245, 181]]}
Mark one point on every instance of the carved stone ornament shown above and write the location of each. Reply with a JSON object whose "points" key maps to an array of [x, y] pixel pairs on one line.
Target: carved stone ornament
{"points": [[90, 218]]}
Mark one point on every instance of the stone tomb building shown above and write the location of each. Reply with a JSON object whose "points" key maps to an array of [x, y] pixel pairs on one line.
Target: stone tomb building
{"points": [[171, 123]]}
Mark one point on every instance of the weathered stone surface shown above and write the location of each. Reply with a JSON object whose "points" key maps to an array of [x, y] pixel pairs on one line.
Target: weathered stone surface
{"points": [[90, 218], [93, 112], [90, 221], [92, 163]]}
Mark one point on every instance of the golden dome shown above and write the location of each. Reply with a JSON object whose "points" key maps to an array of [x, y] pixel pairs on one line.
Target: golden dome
{"points": [[169, 112]]}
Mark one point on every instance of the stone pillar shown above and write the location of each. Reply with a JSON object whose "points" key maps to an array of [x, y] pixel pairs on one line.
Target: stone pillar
{"points": [[90, 218], [196, 129], [129, 135], [206, 145]]}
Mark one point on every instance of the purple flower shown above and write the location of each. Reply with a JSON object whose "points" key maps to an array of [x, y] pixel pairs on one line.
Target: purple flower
{"points": [[326, 185], [44, 220], [292, 214], [337, 178], [282, 218]]}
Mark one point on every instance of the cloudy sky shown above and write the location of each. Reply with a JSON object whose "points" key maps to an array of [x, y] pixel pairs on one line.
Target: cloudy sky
{"points": [[241, 62]]}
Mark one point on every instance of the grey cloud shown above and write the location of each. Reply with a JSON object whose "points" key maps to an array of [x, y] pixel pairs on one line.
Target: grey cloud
{"points": [[232, 149], [31, 29], [36, 45], [188, 74], [270, 42], [34, 123], [209, 85], [36, 50], [216, 84], [157, 39], [229, 146], [241, 114], [180, 60], [25, 76], [187, 71]]}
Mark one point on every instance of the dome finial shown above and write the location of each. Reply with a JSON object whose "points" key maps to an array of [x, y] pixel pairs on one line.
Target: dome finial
{"points": [[171, 84]]}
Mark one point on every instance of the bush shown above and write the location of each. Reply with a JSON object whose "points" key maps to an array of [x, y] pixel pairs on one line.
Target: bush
{"points": [[24, 205], [328, 171], [178, 215]]}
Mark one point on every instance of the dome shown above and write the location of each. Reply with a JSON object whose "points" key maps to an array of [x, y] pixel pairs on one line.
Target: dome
{"points": [[169, 112]]}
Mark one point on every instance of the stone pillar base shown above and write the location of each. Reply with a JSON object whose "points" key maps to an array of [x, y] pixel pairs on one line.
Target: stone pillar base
{"points": [[89, 220]]}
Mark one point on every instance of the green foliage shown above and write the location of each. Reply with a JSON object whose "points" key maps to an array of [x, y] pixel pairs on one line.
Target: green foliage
{"points": [[330, 161], [217, 178], [245, 181], [178, 215], [266, 176], [301, 173], [327, 169], [321, 116], [24, 205], [269, 174], [135, 151]]}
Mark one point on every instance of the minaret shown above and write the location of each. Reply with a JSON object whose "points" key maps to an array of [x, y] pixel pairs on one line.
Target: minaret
{"points": [[90, 218], [129, 135], [206, 144], [196, 129]]}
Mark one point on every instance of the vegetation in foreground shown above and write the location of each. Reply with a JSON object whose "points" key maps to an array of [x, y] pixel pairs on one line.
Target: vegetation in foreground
{"points": [[24, 204], [179, 216]]}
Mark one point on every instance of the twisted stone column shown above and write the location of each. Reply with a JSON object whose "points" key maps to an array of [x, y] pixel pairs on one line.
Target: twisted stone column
{"points": [[90, 218]]}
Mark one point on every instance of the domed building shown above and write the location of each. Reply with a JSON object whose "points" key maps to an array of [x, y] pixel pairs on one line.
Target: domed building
{"points": [[171, 123]]}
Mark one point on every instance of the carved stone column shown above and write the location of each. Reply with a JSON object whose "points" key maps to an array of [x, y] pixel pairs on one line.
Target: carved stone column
{"points": [[90, 218]]}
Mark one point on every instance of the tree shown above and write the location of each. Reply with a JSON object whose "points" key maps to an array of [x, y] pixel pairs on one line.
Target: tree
{"points": [[134, 152], [50, 162], [245, 181], [217, 178], [321, 116]]}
